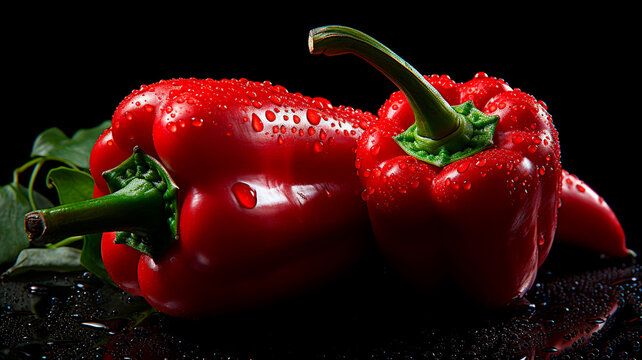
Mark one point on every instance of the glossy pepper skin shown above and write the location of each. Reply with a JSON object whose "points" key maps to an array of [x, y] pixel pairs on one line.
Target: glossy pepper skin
{"points": [[479, 225], [268, 201]]}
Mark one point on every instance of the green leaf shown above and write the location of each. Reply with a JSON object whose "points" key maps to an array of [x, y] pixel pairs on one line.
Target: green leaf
{"points": [[14, 204], [54, 143], [59, 259], [72, 185]]}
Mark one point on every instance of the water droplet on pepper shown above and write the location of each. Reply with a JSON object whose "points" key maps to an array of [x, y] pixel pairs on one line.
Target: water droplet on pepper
{"points": [[270, 116], [197, 122], [245, 195], [276, 100], [257, 124], [313, 116], [463, 167]]}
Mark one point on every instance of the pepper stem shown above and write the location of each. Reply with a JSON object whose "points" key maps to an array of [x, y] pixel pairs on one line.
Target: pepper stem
{"points": [[136, 208], [141, 208], [434, 117], [441, 133]]}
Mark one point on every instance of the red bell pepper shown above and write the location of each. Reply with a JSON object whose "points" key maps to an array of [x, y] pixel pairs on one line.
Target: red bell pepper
{"points": [[587, 221], [462, 181], [238, 194]]}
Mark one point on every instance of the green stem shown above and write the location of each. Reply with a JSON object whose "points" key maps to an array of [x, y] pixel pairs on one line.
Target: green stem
{"points": [[32, 182], [441, 134], [23, 168], [136, 208], [37, 163], [68, 241], [434, 117]]}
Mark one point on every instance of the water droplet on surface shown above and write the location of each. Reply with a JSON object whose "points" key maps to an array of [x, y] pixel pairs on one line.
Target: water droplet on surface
{"points": [[197, 122], [463, 167], [270, 116], [596, 321], [549, 349], [148, 108], [321, 103], [322, 135], [318, 146], [257, 124], [245, 195], [171, 126], [94, 324], [276, 100], [517, 139], [313, 116]]}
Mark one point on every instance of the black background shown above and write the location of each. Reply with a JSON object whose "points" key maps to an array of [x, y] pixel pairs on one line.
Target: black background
{"points": [[71, 67]]}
